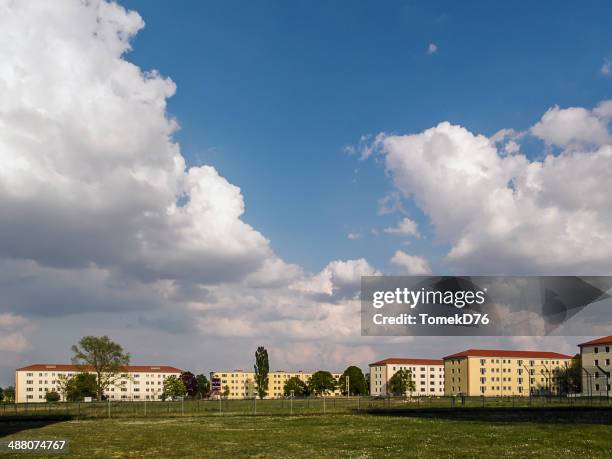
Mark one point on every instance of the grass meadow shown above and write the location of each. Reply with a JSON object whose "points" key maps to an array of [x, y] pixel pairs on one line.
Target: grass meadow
{"points": [[392, 432]]}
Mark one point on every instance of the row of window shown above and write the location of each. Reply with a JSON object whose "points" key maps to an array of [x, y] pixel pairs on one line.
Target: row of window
{"points": [[503, 388], [421, 369], [123, 375]]}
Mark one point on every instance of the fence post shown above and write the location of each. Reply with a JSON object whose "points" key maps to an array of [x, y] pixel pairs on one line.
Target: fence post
{"points": [[78, 410], [109, 414], [358, 407], [255, 405], [323, 403], [145, 407], [219, 404]]}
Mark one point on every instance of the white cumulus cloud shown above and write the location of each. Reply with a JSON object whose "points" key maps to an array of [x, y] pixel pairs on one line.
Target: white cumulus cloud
{"points": [[406, 227], [410, 264], [501, 212]]}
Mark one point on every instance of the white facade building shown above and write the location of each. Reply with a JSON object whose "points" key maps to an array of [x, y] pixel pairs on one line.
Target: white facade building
{"points": [[136, 383], [596, 358], [427, 374]]}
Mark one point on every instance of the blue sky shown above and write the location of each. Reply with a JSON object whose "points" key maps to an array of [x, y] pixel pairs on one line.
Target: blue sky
{"points": [[270, 93]]}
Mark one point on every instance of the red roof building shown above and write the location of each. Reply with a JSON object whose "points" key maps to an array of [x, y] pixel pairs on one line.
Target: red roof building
{"points": [[399, 361], [76, 368], [603, 340], [507, 353]]}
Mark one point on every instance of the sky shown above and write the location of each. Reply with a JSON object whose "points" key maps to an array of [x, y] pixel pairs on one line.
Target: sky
{"points": [[197, 179]]}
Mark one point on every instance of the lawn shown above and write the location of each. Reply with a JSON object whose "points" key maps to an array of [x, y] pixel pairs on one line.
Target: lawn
{"points": [[425, 433]]}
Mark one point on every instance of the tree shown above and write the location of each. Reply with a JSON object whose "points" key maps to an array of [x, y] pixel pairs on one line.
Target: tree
{"points": [[78, 387], [295, 385], [9, 394], [401, 383], [262, 368], [52, 396], [226, 391], [356, 379], [1, 394], [203, 386], [570, 377], [173, 387], [62, 386], [105, 356], [367, 378], [190, 382], [321, 383]]}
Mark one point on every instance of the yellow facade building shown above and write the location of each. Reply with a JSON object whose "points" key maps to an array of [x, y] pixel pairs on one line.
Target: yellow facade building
{"points": [[241, 384], [596, 357], [499, 373]]}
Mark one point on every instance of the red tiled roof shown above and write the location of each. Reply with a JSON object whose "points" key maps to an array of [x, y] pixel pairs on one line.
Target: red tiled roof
{"points": [[407, 362], [129, 368], [604, 340], [506, 353]]}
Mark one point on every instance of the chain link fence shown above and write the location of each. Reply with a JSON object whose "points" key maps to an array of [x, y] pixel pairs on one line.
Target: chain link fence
{"points": [[286, 406]]}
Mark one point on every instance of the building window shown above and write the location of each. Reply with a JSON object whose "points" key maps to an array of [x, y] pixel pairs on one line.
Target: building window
{"points": [[596, 350]]}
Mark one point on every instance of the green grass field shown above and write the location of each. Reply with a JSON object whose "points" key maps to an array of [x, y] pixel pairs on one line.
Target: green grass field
{"points": [[396, 433]]}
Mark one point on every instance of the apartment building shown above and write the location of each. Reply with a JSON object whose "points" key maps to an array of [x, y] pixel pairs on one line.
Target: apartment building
{"points": [[596, 357], [427, 374], [241, 384], [496, 373], [141, 382]]}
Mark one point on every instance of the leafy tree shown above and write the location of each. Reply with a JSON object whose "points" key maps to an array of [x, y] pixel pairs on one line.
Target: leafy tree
{"points": [[62, 386], [296, 385], [226, 391], [570, 377], [262, 368], [401, 383], [79, 386], [9, 394], [190, 382], [105, 356], [52, 396], [367, 379], [203, 386], [321, 383], [173, 387], [356, 379], [1, 394]]}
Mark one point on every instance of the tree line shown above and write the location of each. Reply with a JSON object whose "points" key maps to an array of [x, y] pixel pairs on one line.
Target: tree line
{"points": [[352, 381]]}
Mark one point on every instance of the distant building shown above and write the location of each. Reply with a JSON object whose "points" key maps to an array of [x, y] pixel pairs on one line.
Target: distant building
{"points": [[427, 374], [136, 383], [595, 356], [241, 384], [492, 372]]}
